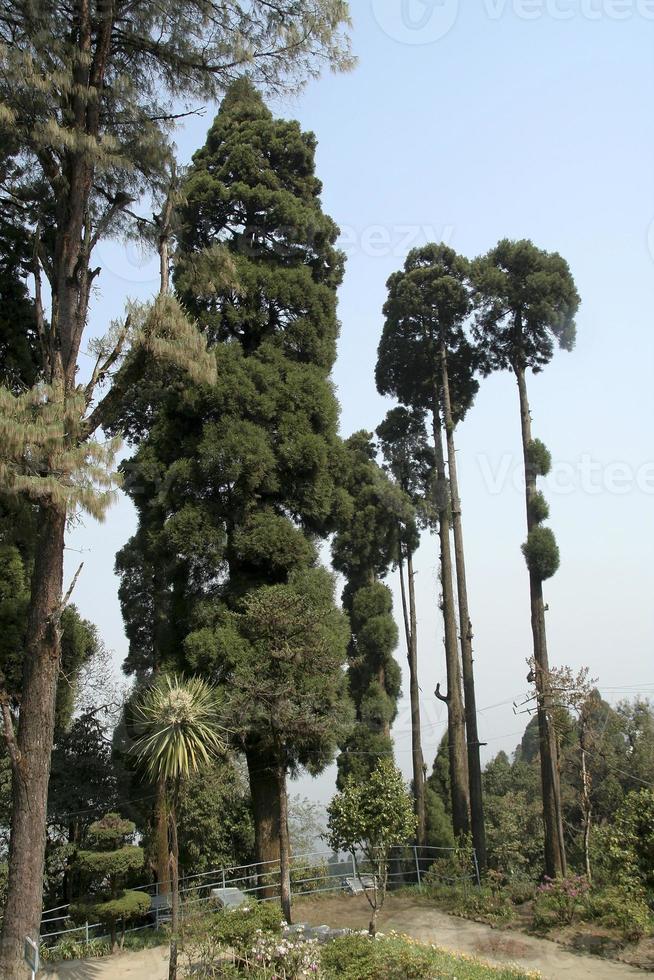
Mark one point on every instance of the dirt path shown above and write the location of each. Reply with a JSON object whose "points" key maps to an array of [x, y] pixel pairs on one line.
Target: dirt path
{"points": [[401, 914], [427, 924]]}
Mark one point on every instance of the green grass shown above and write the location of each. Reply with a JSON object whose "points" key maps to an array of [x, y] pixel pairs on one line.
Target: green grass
{"points": [[394, 957]]}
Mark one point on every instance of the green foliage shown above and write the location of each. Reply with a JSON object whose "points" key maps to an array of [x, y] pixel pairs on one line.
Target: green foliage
{"points": [[409, 458], [539, 458], [488, 903], [106, 866], [427, 306], [365, 546], [559, 901], [237, 928], [286, 681], [541, 552], [375, 816], [370, 818], [206, 842], [358, 957], [179, 724], [439, 824], [623, 908], [625, 846], [539, 509], [72, 949], [525, 303]]}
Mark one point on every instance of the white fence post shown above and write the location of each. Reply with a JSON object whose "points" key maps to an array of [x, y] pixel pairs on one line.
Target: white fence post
{"points": [[415, 854]]}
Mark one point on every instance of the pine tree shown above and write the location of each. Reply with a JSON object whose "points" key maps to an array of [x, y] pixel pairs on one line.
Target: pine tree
{"points": [[410, 460], [235, 481], [425, 360], [85, 108], [377, 517], [526, 304], [287, 686]]}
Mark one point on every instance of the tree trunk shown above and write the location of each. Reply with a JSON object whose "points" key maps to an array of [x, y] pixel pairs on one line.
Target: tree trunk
{"points": [[555, 858], [454, 701], [33, 747], [161, 838], [465, 634], [284, 845], [586, 804], [411, 633], [265, 810], [174, 874]]}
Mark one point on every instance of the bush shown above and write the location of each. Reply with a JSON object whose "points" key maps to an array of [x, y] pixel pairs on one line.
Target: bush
{"points": [[558, 901], [238, 928], [622, 908], [358, 957], [72, 949]]}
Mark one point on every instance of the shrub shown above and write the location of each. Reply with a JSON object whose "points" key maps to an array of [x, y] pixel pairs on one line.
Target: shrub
{"points": [[239, 928], [72, 949], [622, 908], [559, 900], [358, 957]]}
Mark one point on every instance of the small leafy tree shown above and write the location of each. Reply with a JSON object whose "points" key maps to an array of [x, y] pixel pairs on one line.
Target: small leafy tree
{"points": [[371, 818], [181, 734], [107, 864]]}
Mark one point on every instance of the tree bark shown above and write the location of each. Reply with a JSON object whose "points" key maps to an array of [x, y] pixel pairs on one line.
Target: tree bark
{"points": [[465, 633], [174, 874], [454, 701], [31, 763], [411, 633], [161, 838], [284, 845], [555, 857], [262, 770]]}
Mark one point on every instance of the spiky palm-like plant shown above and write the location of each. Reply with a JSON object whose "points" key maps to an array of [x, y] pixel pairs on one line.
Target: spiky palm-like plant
{"points": [[180, 732]]}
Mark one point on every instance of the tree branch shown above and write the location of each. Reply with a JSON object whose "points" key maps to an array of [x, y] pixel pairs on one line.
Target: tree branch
{"points": [[441, 697]]}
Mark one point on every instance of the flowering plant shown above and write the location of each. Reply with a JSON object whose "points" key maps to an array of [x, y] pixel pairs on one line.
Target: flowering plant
{"points": [[287, 958], [559, 899]]}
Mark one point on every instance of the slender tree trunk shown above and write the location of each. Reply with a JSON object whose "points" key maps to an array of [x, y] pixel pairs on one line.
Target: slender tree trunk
{"points": [[284, 845], [465, 633], [262, 769], [555, 857], [411, 633], [161, 838], [32, 748], [586, 804], [454, 700], [174, 874]]}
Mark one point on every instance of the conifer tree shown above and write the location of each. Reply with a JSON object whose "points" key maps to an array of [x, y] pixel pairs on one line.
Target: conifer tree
{"points": [[526, 303], [410, 460], [425, 360], [378, 515], [106, 863], [235, 481], [86, 95]]}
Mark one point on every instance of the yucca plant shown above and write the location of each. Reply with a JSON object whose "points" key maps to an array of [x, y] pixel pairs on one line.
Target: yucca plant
{"points": [[179, 720]]}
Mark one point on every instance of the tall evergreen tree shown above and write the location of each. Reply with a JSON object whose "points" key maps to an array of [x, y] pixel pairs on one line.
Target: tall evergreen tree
{"points": [[365, 547], [526, 304], [234, 482], [86, 94], [426, 362], [410, 460]]}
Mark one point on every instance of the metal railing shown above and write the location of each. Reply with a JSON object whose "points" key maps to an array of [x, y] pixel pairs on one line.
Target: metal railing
{"points": [[312, 873]]}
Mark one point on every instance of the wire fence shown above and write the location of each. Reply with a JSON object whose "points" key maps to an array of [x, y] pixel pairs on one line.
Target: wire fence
{"points": [[316, 872]]}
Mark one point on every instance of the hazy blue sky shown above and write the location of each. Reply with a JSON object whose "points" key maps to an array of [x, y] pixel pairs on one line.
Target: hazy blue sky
{"points": [[469, 123]]}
